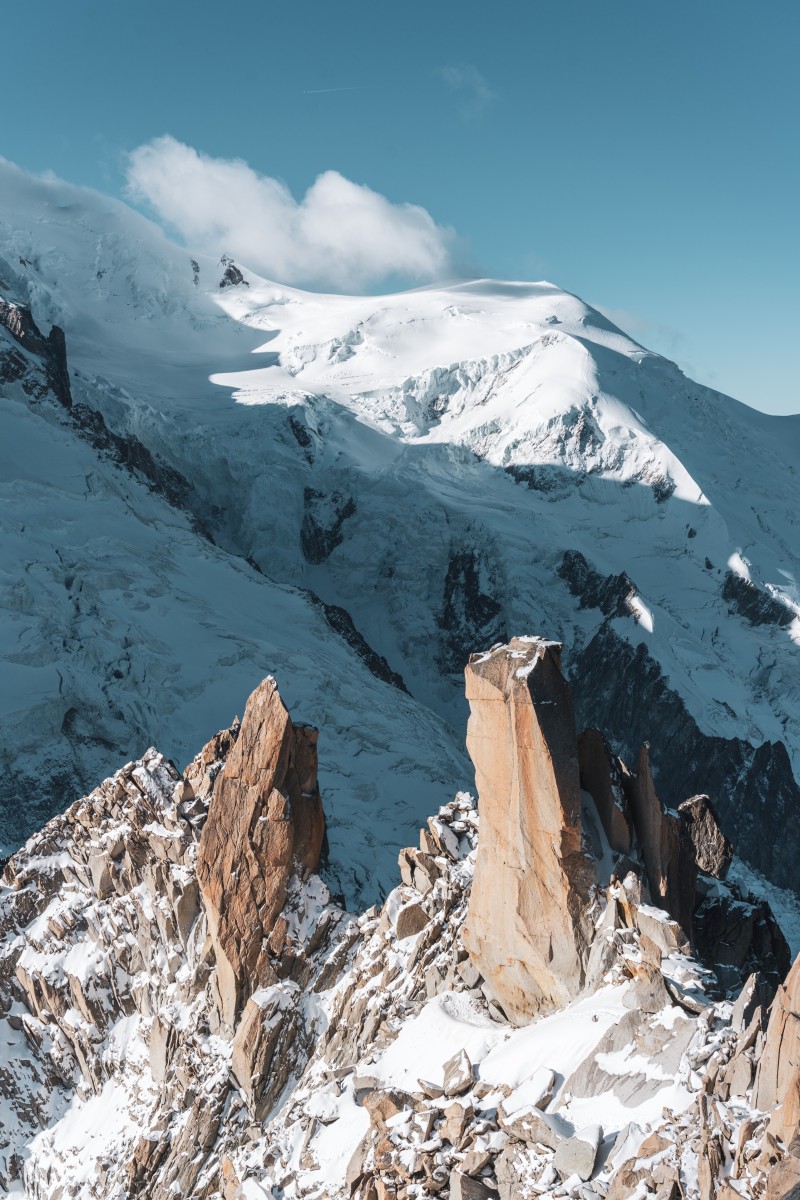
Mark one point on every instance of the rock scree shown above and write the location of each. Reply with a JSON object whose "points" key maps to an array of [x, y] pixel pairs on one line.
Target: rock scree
{"points": [[250, 1049]]}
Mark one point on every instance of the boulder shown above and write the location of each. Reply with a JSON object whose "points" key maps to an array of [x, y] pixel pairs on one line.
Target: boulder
{"points": [[540, 1087], [383, 1104], [163, 1039], [712, 850], [357, 1162], [456, 1116], [578, 1155], [474, 1161], [665, 934], [264, 822], [100, 872], [665, 846], [627, 1179], [458, 1076], [601, 777], [778, 1075], [411, 919], [464, 1187], [649, 992], [431, 1090], [527, 929], [738, 1075], [529, 1125]]}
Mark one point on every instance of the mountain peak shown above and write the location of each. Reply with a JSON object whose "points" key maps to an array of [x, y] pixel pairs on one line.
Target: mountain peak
{"points": [[388, 1053]]}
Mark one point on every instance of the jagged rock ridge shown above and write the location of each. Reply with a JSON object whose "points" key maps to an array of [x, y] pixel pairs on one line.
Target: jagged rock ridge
{"points": [[367, 1058]]}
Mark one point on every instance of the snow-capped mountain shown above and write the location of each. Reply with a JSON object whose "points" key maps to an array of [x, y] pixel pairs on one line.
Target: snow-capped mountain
{"points": [[356, 492]]}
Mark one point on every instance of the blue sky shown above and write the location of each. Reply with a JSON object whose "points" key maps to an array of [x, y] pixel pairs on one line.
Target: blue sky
{"points": [[642, 155]]}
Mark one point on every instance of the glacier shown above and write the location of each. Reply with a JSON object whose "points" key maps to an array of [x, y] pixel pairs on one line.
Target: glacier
{"points": [[353, 493]]}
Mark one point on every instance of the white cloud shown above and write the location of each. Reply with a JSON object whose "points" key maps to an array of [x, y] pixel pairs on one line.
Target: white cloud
{"points": [[471, 87], [341, 235]]}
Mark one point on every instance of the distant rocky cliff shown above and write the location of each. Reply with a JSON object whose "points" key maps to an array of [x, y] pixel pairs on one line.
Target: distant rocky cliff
{"points": [[184, 1010], [755, 791]]}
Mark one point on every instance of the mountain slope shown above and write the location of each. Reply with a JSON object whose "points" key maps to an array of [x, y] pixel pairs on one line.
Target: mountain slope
{"points": [[441, 467], [120, 617]]}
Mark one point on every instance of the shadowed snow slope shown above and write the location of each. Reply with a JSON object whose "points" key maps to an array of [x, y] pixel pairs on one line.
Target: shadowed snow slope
{"points": [[390, 483]]}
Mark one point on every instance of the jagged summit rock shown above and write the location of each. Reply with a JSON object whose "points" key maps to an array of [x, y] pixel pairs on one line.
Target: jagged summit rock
{"points": [[265, 822], [128, 1070], [527, 929]]}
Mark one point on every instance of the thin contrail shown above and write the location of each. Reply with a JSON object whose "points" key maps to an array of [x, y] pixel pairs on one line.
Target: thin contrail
{"points": [[362, 87]]}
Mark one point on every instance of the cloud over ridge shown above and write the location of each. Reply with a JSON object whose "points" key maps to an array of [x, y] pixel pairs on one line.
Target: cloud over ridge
{"points": [[341, 235]]}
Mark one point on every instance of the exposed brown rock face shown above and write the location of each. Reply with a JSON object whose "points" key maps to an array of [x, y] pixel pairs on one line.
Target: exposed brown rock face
{"points": [[713, 852], [665, 845], [527, 928], [601, 776], [778, 1076], [265, 820], [100, 919]]}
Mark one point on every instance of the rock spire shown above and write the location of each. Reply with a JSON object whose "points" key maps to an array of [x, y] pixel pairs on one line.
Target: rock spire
{"points": [[265, 821], [527, 929]]}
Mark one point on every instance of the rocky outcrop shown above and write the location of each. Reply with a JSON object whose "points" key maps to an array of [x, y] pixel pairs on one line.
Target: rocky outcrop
{"points": [[602, 776], [51, 351], [755, 792], [736, 935], [527, 930], [713, 852], [778, 1076], [612, 594], [231, 276], [265, 822], [42, 371], [324, 516], [108, 979], [471, 613], [132, 454], [678, 853], [665, 846], [756, 606], [370, 1058], [340, 621]]}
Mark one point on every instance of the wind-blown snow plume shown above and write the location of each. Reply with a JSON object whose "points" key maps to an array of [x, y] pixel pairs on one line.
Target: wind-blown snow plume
{"points": [[341, 235]]}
